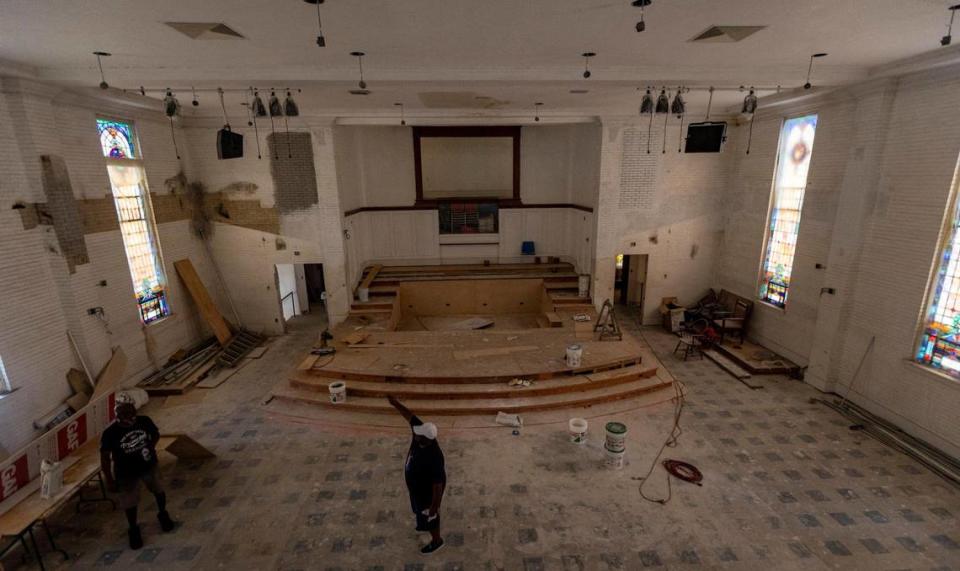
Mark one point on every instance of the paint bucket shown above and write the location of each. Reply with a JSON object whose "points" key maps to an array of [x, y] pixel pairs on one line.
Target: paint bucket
{"points": [[574, 353], [338, 392], [583, 285], [364, 294], [614, 460], [616, 437], [578, 430]]}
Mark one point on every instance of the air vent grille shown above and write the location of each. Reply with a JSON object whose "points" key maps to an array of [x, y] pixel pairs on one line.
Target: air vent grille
{"points": [[728, 34], [206, 30]]}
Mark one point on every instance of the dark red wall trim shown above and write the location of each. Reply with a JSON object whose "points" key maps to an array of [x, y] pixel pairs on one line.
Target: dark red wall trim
{"points": [[432, 205]]}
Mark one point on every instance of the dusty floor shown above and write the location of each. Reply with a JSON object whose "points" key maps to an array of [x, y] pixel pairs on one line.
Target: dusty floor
{"points": [[787, 486]]}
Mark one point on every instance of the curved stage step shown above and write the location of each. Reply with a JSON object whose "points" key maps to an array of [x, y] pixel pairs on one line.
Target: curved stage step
{"points": [[422, 391], [353, 375], [484, 406]]}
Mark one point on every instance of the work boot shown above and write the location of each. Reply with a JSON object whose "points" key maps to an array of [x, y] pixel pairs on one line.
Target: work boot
{"points": [[166, 524], [431, 547], [136, 540]]}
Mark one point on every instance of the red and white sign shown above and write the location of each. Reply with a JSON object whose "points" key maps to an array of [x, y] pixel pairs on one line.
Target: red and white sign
{"points": [[13, 477], [71, 436]]}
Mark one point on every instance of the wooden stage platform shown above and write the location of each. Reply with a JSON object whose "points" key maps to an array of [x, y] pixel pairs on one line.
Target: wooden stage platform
{"points": [[439, 370]]}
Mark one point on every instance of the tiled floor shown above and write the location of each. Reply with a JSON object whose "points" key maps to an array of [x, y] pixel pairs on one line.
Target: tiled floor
{"points": [[787, 486]]}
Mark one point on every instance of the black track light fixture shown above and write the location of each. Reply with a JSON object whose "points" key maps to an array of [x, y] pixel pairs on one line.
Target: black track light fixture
{"points": [[679, 106], [290, 107], [749, 103], [663, 102], [257, 106], [196, 102], [171, 108], [536, 110], [586, 63], [403, 119], [808, 85], [641, 25], [945, 40], [103, 81], [321, 41], [646, 104]]}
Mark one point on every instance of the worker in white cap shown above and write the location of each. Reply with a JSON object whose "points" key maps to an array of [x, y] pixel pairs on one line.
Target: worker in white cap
{"points": [[425, 475]]}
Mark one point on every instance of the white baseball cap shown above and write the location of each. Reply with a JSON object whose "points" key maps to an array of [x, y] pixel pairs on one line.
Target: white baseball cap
{"points": [[427, 429]]}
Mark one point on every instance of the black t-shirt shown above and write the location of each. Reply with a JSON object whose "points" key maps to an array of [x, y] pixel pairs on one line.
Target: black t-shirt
{"points": [[424, 468], [131, 447]]}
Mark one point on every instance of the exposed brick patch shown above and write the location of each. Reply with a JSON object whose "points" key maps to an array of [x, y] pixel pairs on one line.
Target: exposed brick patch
{"points": [[291, 166], [62, 206]]}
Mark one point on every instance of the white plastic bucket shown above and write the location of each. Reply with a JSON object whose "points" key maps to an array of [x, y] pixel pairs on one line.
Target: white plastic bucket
{"points": [[338, 392], [578, 430], [616, 437], [583, 285], [574, 354], [364, 294], [614, 460]]}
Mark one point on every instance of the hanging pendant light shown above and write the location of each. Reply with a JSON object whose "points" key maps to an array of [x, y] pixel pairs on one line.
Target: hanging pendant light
{"points": [[361, 84], [945, 40], [321, 41], [641, 25], [808, 85], [536, 111], [257, 106], [403, 120], [103, 81], [586, 63], [646, 104], [276, 110], [290, 107], [196, 102], [663, 102], [749, 103], [171, 108], [679, 106]]}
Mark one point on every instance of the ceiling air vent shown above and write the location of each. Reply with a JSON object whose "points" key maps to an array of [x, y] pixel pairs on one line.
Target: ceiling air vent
{"points": [[718, 34], [206, 30]]}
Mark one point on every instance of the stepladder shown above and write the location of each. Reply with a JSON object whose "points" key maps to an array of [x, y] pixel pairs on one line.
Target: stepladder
{"points": [[607, 324]]}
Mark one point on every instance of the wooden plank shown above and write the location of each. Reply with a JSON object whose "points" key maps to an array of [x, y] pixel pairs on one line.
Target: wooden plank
{"points": [[183, 447], [188, 274], [472, 323], [112, 373], [553, 319], [475, 353], [79, 382], [257, 352], [371, 275]]}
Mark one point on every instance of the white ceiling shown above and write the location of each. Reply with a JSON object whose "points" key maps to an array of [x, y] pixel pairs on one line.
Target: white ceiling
{"points": [[518, 51]]}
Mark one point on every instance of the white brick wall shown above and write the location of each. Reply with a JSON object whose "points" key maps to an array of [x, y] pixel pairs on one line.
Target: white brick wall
{"points": [[883, 162], [39, 299], [668, 210]]}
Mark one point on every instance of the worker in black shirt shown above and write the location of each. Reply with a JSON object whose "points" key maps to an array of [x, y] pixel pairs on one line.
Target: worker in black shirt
{"points": [[425, 475], [130, 442]]}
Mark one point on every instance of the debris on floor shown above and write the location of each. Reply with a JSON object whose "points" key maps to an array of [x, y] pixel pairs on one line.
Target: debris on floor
{"points": [[509, 419], [518, 382]]}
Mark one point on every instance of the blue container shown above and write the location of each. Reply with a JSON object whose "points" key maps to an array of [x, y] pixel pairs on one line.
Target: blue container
{"points": [[528, 249]]}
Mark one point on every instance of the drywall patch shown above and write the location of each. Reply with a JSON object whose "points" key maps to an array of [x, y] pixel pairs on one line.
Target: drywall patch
{"points": [[62, 206], [292, 170], [235, 188]]}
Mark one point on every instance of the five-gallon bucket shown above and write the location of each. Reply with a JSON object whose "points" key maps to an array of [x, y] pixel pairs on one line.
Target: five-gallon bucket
{"points": [[616, 437], [338, 391], [578, 430]]}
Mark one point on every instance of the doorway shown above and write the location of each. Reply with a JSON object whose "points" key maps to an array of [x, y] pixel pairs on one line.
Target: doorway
{"points": [[630, 281], [313, 279]]}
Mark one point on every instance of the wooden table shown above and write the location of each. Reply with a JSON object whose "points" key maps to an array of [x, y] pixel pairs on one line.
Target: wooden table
{"points": [[82, 466]]}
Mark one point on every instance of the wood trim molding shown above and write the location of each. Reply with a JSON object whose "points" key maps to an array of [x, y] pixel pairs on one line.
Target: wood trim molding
{"points": [[433, 205], [512, 131]]}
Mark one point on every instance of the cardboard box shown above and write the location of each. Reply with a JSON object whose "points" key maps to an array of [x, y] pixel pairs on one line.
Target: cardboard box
{"points": [[671, 313]]}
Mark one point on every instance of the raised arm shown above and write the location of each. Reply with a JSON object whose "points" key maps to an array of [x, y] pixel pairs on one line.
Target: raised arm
{"points": [[407, 415]]}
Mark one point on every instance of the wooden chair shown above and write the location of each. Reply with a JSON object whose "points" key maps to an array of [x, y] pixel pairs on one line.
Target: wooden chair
{"points": [[690, 345], [734, 321]]}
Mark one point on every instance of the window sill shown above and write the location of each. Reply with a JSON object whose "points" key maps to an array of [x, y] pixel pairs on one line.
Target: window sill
{"points": [[8, 393], [935, 373], [769, 305], [165, 319]]}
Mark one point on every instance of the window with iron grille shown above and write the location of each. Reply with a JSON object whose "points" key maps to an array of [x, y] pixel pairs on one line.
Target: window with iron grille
{"points": [[790, 182], [939, 345], [131, 197]]}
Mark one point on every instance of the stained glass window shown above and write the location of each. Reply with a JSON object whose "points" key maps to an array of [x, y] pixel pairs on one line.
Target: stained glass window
{"points": [[131, 198], [793, 163], [940, 339], [116, 139]]}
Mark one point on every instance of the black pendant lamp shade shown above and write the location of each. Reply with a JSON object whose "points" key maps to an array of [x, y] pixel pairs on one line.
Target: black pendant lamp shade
{"points": [[663, 102], [290, 108], [646, 104]]}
